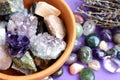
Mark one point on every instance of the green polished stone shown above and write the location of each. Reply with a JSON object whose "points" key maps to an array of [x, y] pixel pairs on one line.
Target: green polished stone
{"points": [[116, 38], [79, 30], [87, 74], [92, 40], [58, 73], [85, 54]]}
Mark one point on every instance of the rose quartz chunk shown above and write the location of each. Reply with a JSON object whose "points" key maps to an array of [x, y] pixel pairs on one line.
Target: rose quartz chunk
{"points": [[5, 59], [55, 26], [75, 68]]}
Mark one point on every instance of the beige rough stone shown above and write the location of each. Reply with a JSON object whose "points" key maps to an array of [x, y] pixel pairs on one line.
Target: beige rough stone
{"points": [[75, 68], [94, 64], [44, 9], [55, 26]]}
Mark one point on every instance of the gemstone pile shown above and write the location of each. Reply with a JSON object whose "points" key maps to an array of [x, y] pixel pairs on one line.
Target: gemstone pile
{"points": [[30, 41]]}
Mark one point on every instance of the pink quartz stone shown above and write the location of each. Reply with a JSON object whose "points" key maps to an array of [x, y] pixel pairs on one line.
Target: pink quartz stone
{"points": [[5, 59], [55, 26], [75, 68]]}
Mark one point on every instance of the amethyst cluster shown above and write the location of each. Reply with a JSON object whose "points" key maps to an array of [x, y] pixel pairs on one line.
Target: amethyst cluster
{"points": [[17, 44], [23, 24]]}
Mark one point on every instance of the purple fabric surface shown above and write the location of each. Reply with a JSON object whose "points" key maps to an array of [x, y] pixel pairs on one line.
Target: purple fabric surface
{"points": [[99, 75]]}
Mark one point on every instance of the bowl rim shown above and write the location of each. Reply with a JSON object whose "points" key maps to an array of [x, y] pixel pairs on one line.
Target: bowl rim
{"points": [[54, 66]]}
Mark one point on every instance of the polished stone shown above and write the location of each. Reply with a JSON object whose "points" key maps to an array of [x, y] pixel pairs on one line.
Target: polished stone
{"points": [[87, 74], [85, 54]]}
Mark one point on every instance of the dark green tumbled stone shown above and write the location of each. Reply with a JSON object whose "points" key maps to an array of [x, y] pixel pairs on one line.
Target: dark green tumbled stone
{"points": [[87, 74], [92, 40], [118, 55], [85, 54], [58, 73]]}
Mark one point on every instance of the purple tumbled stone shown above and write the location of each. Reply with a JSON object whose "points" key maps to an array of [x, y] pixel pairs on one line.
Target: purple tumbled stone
{"points": [[77, 46], [106, 35], [17, 44], [111, 64], [98, 53], [23, 24]]}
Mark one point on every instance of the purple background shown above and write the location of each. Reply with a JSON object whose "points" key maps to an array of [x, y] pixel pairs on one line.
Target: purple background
{"points": [[99, 75]]}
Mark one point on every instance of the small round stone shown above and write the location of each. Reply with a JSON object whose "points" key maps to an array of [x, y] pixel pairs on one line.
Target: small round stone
{"points": [[88, 27], [72, 59], [48, 78], [104, 46], [94, 64], [106, 35], [112, 52], [87, 74], [77, 45], [75, 68], [98, 54], [58, 73], [85, 54], [79, 30], [92, 40], [78, 18], [116, 38], [118, 54]]}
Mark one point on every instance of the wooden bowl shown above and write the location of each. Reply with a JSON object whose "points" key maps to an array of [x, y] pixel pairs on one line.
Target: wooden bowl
{"points": [[68, 18]]}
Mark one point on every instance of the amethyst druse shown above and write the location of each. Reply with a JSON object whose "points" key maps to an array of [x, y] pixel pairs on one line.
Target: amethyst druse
{"points": [[98, 53], [17, 44], [106, 35]]}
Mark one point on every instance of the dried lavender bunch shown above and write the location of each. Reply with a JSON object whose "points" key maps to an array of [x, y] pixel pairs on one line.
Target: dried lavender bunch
{"points": [[105, 13]]}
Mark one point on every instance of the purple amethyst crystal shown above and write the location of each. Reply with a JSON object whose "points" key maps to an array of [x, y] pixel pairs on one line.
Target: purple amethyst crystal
{"points": [[17, 44], [23, 24]]}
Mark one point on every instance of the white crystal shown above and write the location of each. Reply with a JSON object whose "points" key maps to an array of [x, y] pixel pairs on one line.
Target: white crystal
{"points": [[111, 65], [46, 46], [5, 59], [2, 33]]}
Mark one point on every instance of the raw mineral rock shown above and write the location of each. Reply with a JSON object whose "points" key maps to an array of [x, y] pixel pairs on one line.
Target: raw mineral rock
{"points": [[44, 9], [55, 26], [26, 62], [23, 24], [41, 63], [24, 71], [46, 46], [9, 6], [2, 32], [5, 59]]}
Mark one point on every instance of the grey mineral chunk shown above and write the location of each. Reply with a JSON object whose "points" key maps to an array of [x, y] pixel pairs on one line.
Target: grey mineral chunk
{"points": [[24, 71], [55, 26], [9, 6], [26, 62], [46, 46]]}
